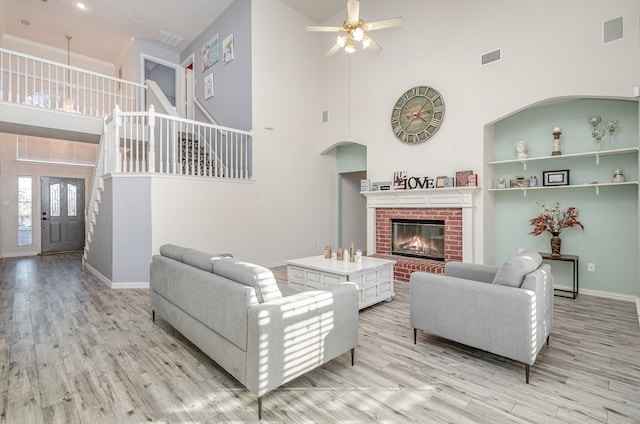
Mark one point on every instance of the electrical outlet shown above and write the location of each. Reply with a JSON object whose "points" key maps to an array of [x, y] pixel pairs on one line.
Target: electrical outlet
{"points": [[591, 267]]}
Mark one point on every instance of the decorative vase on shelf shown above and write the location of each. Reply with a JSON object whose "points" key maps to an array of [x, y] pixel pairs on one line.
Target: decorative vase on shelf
{"points": [[555, 244]]}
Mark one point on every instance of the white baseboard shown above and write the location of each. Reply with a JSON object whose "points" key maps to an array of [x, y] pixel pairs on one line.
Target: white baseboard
{"points": [[19, 254], [598, 293], [131, 285], [116, 286]]}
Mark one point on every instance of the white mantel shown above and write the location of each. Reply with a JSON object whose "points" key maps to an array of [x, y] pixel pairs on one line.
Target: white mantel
{"points": [[454, 197]]}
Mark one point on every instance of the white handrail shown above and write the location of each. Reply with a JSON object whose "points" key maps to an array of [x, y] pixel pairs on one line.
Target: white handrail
{"points": [[46, 84], [151, 142]]}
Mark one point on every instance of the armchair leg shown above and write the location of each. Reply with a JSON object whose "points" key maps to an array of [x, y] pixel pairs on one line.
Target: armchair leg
{"points": [[259, 407], [526, 372], [153, 316], [353, 354], [415, 336], [548, 339]]}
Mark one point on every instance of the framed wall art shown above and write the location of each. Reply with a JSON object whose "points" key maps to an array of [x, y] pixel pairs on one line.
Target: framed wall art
{"points": [[210, 52], [441, 181], [227, 49], [555, 178], [208, 86]]}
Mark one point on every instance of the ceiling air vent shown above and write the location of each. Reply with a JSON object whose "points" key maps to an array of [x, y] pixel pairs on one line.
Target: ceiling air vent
{"points": [[493, 56], [168, 38]]}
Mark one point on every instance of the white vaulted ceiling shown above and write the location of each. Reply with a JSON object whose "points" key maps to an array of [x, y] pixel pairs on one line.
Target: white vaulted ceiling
{"points": [[105, 28]]}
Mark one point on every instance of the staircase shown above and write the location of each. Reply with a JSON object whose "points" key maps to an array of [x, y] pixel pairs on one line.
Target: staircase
{"points": [[45, 98]]}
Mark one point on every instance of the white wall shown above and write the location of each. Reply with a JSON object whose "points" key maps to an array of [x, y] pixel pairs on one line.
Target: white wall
{"points": [[295, 185], [549, 49]]}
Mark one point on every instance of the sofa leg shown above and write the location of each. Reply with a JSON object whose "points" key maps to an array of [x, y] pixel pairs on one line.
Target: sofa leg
{"points": [[415, 336], [548, 339], [526, 372], [259, 407], [153, 316], [353, 354]]}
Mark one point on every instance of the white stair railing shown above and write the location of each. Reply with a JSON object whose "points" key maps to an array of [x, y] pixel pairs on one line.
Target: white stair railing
{"points": [[152, 142], [41, 83]]}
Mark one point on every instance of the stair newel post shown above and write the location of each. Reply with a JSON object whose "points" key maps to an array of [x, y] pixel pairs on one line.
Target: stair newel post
{"points": [[117, 122], [151, 157]]}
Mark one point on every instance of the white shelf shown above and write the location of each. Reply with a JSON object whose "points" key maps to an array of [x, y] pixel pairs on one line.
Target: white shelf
{"points": [[595, 154], [596, 186]]}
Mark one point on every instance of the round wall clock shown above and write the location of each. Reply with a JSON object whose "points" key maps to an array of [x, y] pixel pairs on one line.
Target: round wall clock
{"points": [[417, 114]]}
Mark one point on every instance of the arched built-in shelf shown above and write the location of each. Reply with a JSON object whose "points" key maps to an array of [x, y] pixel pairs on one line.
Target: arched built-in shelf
{"points": [[596, 186], [595, 154]]}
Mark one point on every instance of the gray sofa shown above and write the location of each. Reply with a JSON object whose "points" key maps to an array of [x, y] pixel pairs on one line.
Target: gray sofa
{"points": [[235, 313], [507, 311]]}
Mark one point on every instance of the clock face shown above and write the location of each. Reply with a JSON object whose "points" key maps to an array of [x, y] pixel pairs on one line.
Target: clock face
{"points": [[417, 114]]}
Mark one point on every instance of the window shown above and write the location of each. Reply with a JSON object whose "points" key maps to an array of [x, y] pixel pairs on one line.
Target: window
{"points": [[25, 212]]}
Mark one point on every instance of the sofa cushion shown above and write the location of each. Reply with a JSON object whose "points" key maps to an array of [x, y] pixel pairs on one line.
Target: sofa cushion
{"points": [[202, 260], [172, 251], [515, 269], [256, 276]]}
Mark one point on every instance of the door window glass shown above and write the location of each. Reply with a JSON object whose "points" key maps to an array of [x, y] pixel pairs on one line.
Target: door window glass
{"points": [[54, 199], [25, 212], [72, 208]]}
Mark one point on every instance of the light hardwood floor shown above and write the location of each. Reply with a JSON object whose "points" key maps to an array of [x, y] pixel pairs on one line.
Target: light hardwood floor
{"points": [[74, 351]]}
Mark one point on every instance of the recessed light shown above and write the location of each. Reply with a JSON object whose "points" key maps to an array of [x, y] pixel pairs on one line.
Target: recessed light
{"points": [[81, 6]]}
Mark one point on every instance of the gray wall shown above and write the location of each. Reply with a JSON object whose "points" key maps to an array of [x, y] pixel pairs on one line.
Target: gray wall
{"points": [[131, 228], [231, 104], [100, 255]]}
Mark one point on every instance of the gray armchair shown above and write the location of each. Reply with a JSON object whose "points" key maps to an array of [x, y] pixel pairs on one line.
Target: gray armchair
{"points": [[507, 311]]}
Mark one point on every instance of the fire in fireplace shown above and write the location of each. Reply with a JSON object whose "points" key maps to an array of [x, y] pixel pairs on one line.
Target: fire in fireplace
{"points": [[418, 238]]}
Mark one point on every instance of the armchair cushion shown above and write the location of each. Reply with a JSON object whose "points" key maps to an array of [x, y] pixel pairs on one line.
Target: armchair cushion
{"points": [[515, 269]]}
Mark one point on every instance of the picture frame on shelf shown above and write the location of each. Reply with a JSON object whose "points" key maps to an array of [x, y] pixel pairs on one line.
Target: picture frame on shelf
{"points": [[365, 185], [555, 178], [462, 178], [450, 182], [441, 181]]}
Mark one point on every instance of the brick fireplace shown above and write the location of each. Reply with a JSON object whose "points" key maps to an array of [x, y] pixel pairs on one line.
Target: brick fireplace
{"points": [[454, 206]]}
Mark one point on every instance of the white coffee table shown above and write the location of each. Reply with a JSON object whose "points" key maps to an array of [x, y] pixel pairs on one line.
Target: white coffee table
{"points": [[373, 276]]}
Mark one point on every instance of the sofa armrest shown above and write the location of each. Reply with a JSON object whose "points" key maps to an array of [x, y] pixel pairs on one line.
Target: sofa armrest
{"points": [[468, 271], [293, 335], [491, 317]]}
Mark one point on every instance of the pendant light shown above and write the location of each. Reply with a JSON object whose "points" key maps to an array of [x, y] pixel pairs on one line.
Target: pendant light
{"points": [[69, 102]]}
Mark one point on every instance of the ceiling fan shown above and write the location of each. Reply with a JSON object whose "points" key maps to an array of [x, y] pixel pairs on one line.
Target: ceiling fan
{"points": [[354, 29]]}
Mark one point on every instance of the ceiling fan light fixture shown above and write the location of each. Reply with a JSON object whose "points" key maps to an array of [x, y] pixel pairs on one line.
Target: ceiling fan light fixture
{"points": [[341, 40], [365, 42], [349, 48], [358, 34]]}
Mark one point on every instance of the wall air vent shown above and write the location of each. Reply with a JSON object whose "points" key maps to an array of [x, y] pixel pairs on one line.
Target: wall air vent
{"points": [[490, 57], [25, 22], [168, 38], [612, 30]]}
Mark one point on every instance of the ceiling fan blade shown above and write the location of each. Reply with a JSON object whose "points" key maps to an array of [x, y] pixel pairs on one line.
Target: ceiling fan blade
{"points": [[372, 46], [334, 50], [353, 11], [386, 23], [323, 29]]}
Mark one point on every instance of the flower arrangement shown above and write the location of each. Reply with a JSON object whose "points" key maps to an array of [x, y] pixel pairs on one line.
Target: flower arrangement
{"points": [[555, 220]]}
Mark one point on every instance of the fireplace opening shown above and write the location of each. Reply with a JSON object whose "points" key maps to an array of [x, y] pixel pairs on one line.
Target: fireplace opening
{"points": [[418, 238]]}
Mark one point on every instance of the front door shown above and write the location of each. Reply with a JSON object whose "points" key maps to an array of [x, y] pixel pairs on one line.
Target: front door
{"points": [[62, 214]]}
